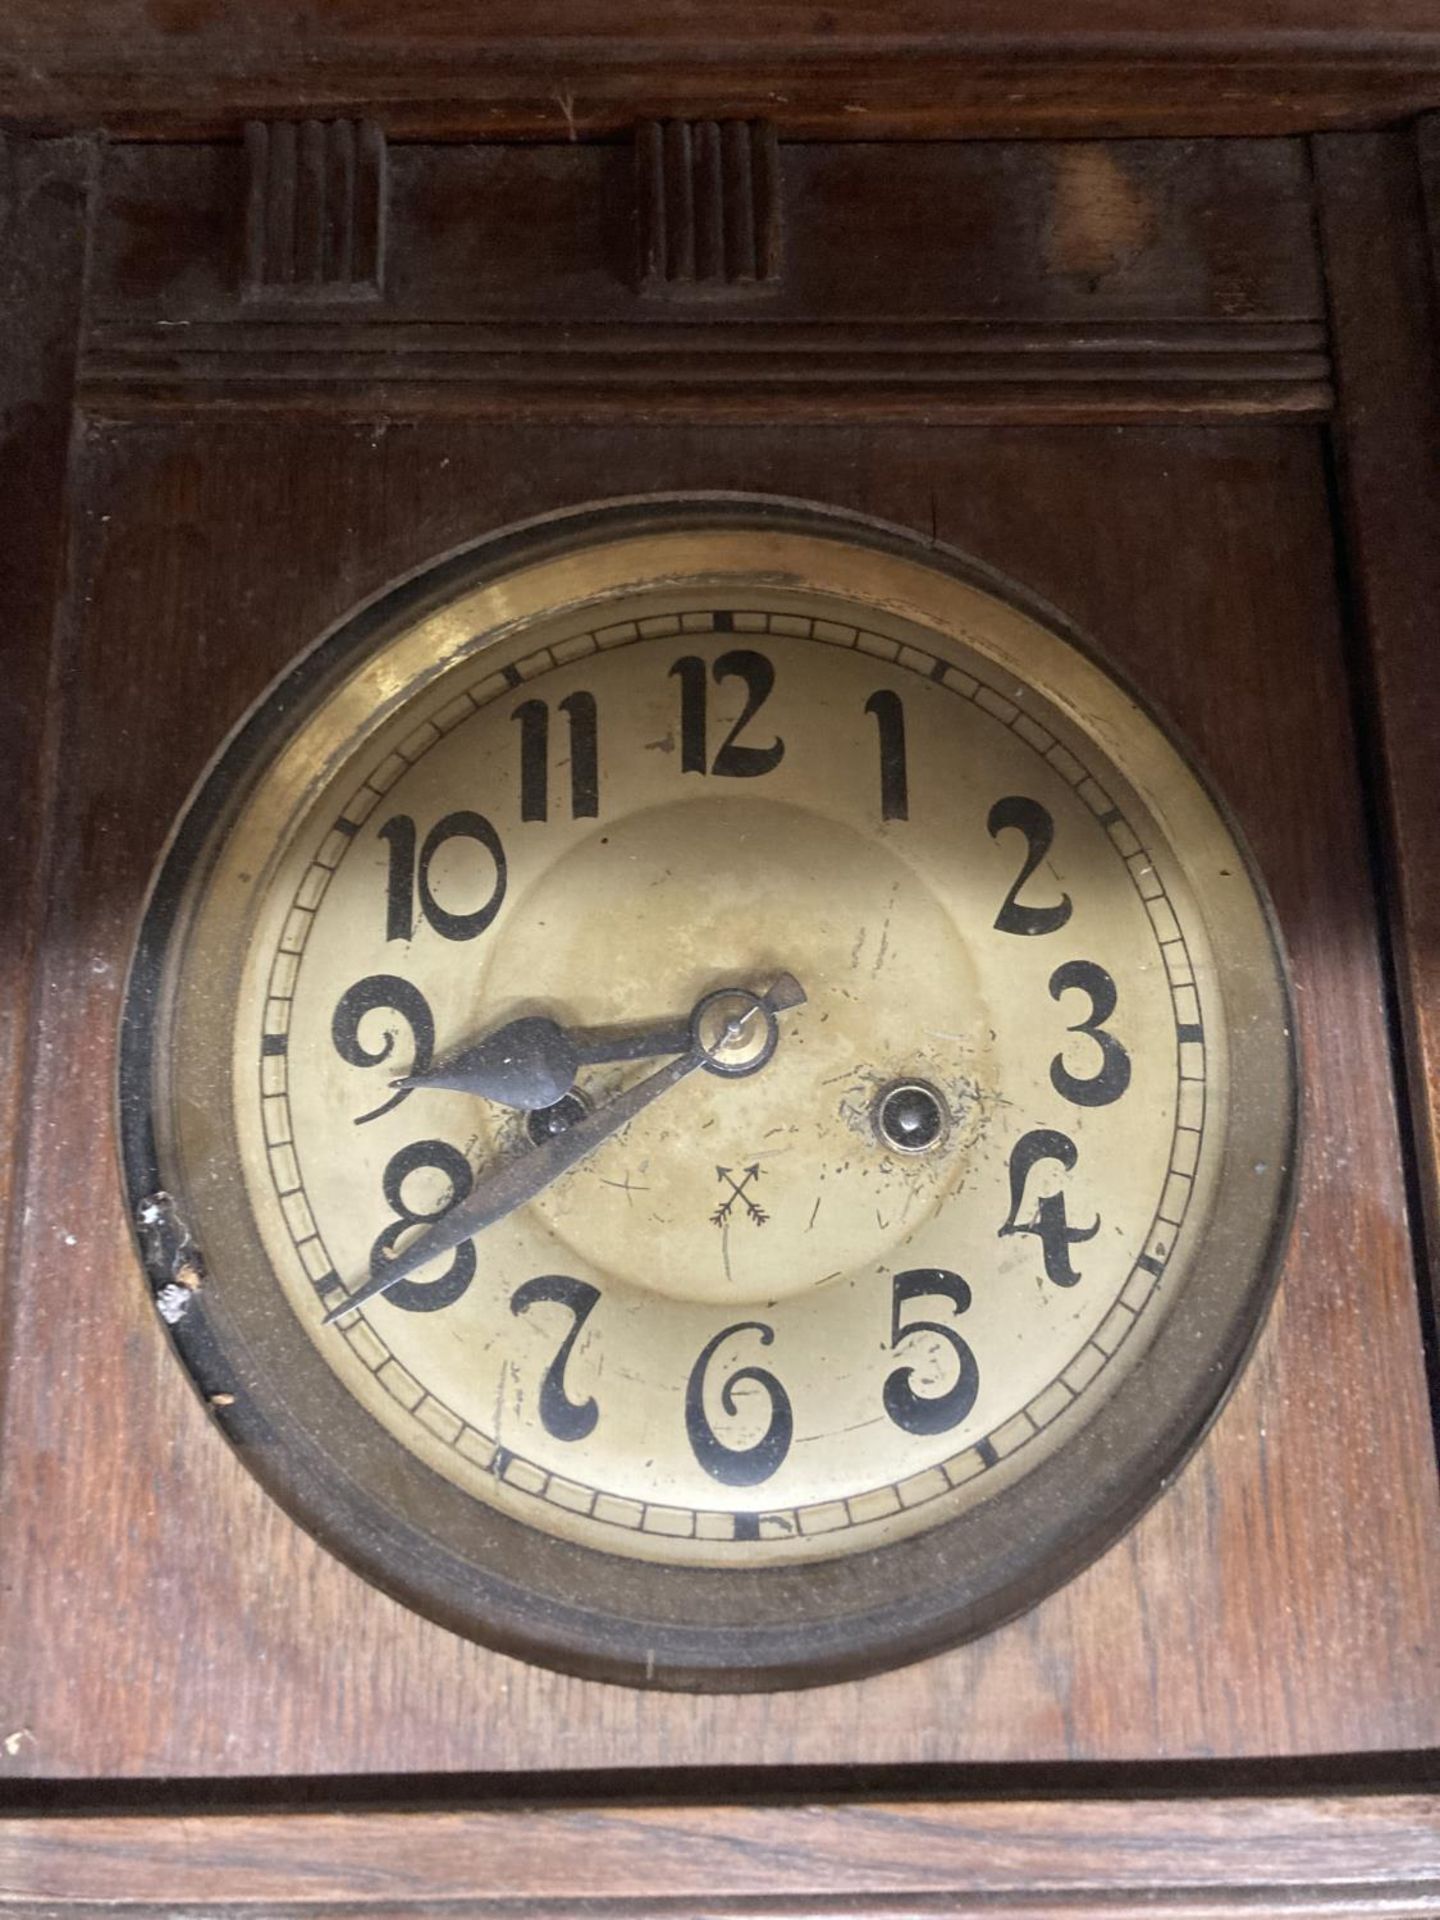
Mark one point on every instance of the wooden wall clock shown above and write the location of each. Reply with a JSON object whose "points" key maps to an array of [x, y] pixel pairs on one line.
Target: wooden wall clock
{"points": [[829, 825], [975, 594]]}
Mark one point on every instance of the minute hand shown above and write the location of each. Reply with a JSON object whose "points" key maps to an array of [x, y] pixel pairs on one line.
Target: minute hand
{"points": [[510, 1186], [517, 1181]]}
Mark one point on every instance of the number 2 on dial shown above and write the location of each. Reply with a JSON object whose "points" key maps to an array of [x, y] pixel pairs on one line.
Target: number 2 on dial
{"points": [[1035, 822]]}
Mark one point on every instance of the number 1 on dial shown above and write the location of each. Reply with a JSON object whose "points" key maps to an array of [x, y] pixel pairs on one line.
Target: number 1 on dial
{"points": [[889, 712]]}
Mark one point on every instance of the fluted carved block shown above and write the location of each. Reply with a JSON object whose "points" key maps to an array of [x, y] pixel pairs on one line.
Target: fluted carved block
{"points": [[709, 205], [315, 219]]}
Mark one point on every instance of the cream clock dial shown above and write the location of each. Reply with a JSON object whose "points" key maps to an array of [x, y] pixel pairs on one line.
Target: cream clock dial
{"points": [[719, 1092]]}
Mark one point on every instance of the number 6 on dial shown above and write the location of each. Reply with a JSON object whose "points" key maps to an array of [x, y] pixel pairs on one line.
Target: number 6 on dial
{"points": [[738, 1466]]}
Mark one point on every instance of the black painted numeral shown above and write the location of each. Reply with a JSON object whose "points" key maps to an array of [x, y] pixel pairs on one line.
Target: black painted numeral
{"points": [[561, 1416], [396, 995], [405, 877], [889, 712], [1083, 976], [534, 718], [1050, 1224], [738, 1466], [399, 833], [694, 731], [1031, 819], [732, 761], [424, 1296], [933, 1413]]}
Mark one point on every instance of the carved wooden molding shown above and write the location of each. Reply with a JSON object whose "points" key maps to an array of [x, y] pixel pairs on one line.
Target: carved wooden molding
{"points": [[976, 283], [765, 370], [708, 194], [316, 210]]}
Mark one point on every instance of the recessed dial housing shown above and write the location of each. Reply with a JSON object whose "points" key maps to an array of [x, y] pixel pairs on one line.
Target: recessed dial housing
{"points": [[610, 1299]]}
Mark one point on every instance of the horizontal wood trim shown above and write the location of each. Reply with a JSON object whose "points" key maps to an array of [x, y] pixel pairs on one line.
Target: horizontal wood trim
{"points": [[601, 373], [1347, 1855], [756, 350], [853, 69], [1132, 403]]}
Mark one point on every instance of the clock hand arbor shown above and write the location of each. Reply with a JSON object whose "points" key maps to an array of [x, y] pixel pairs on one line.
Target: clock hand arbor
{"points": [[717, 1031]]}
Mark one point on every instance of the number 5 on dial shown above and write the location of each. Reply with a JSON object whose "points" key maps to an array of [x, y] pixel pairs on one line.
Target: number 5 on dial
{"points": [[908, 1409]]}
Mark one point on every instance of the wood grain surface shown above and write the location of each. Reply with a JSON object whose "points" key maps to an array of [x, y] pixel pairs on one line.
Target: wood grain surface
{"points": [[1327, 1856], [1381, 266], [158, 1616], [850, 69], [44, 208]]}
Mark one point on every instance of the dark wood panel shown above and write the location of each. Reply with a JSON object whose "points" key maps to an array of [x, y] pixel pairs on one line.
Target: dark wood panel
{"points": [[163, 1618], [1382, 297], [1427, 148], [1189, 1859], [1083, 234], [44, 195], [1169, 279], [853, 69]]}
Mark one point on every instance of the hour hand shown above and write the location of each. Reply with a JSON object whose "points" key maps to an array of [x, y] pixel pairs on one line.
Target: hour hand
{"points": [[532, 1061], [716, 1039]]}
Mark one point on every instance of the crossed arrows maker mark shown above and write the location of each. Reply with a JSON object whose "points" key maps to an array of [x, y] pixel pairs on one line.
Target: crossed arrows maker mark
{"points": [[737, 1192]]}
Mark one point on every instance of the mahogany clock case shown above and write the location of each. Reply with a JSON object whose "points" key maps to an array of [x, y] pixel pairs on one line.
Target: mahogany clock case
{"points": [[240, 475]]}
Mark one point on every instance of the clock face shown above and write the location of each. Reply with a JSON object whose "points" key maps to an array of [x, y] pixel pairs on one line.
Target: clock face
{"points": [[717, 1090]]}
